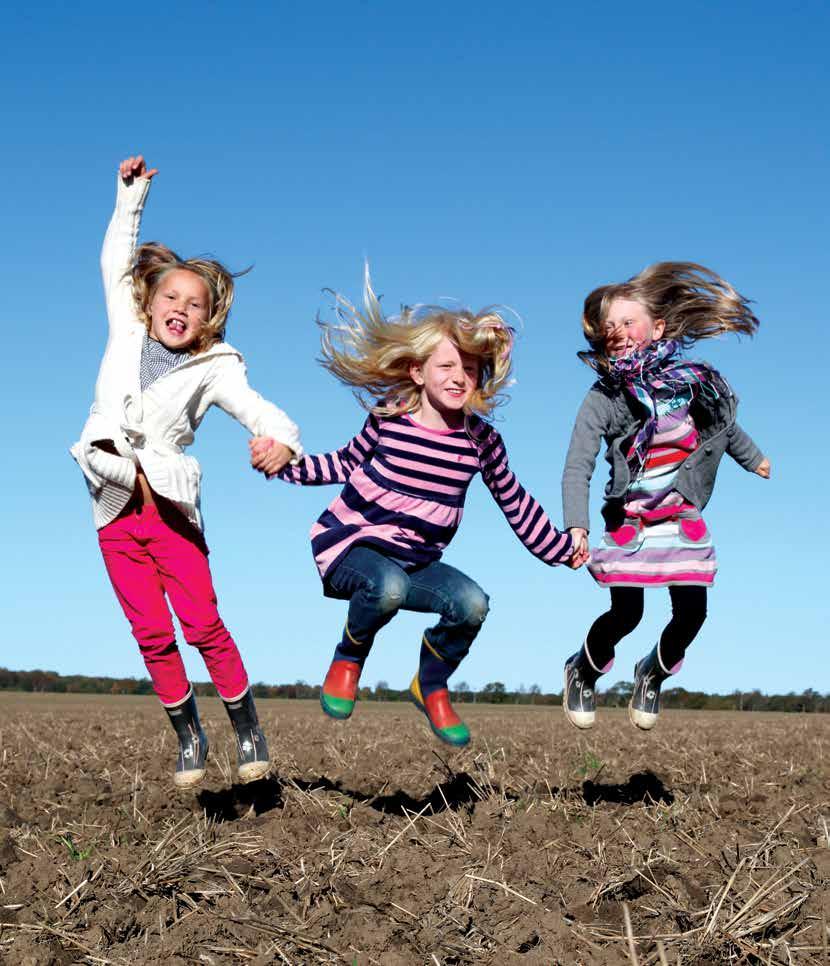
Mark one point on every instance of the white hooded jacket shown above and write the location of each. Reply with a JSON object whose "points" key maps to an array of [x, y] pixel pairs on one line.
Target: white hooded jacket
{"points": [[150, 429]]}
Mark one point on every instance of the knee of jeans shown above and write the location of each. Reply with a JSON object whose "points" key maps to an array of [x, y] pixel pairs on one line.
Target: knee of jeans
{"points": [[210, 631], [472, 607], [389, 592], [155, 641]]}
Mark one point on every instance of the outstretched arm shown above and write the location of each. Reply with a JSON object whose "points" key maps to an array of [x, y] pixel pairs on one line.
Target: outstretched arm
{"points": [[231, 391], [323, 468], [122, 235], [526, 517], [746, 453]]}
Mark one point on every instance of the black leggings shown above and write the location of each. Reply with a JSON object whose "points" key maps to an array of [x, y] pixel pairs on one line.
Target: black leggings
{"points": [[688, 606]]}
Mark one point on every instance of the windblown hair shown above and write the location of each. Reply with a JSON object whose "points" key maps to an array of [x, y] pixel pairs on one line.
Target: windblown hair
{"points": [[373, 353], [694, 302], [153, 261]]}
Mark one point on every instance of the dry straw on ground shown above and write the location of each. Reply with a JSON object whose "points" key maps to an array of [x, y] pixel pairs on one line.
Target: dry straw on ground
{"points": [[705, 842]]}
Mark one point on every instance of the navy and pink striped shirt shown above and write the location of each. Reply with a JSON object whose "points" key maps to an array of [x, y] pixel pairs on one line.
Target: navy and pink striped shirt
{"points": [[404, 492]]}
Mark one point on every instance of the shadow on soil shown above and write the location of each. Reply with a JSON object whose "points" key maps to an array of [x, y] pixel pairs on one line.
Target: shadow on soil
{"points": [[644, 786], [230, 804], [459, 791]]}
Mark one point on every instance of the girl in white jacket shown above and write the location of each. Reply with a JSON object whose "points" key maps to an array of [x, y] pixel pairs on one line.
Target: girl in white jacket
{"points": [[165, 363]]}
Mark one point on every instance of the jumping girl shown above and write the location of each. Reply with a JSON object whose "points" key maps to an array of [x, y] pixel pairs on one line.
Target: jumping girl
{"points": [[430, 375], [165, 363], [667, 423]]}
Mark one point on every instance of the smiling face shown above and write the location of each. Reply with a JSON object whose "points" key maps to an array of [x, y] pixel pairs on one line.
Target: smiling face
{"points": [[179, 307], [447, 380], [629, 327]]}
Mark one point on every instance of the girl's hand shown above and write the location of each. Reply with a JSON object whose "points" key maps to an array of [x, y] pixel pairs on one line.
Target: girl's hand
{"points": [[267, 455], [580, 539], [763, 468], [578, 558], [135, 167]]}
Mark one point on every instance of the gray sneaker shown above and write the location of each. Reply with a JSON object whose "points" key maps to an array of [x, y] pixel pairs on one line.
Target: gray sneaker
{"points": [[579, 700], [644, 705]]}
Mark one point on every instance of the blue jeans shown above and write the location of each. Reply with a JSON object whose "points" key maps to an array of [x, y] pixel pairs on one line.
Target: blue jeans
{"points": [[377, 588]]}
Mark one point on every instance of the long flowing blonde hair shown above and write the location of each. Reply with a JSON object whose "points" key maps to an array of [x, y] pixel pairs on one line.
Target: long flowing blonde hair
{"points": [[694, 301], [373, 353], [153, 261]]}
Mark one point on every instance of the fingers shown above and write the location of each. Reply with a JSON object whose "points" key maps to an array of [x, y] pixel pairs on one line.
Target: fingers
{"points": [[135, 167]]}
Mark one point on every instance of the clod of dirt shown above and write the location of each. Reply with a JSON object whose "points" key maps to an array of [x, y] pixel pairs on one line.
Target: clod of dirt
{"points": [[8, 853], [9, 817]]}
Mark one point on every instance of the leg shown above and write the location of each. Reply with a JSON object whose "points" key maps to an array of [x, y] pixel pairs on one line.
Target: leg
{"points": [[181, 556], [610, 628], [463, 607], [375, 587], [688, 614], [138, 586], [666, 658], [583, 669]]}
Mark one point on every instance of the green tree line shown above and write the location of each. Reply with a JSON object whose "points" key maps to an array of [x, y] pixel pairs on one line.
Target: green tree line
{"points": [[494, 692]]}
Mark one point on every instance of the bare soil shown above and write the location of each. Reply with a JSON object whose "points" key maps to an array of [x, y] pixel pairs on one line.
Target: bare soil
{"points": [[705, 842]]}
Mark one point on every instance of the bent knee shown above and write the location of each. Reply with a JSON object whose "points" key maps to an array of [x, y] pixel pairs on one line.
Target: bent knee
{"points": [[390, 592], [472, 607]]}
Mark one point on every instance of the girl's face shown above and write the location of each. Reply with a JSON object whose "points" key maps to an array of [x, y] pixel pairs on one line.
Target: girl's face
{"points": [[178, 309], [448, 378], [629, 327]]}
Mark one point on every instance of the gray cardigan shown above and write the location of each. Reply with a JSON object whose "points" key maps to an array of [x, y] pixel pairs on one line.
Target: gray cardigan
{"points": [[616, 416]]}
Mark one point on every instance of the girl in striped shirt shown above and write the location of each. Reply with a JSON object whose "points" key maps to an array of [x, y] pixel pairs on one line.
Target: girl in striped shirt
{"points": [[432, 375], [667, 422]]}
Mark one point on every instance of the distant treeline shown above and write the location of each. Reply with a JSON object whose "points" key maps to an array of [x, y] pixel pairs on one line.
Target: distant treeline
{"points": [[495, 692]]}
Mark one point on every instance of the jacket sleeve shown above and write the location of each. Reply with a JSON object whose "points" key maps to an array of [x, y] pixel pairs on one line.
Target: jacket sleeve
{"points": [[337, 466], [526, 517], [118, 251], [743, 449], [592, 423], [231, 392]]}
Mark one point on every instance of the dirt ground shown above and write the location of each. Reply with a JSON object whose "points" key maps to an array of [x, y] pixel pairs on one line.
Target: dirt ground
{"points": [[705, 842]]}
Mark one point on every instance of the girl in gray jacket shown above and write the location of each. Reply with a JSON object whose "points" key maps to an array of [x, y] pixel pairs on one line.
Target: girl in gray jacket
{"points": [[666, 423]]}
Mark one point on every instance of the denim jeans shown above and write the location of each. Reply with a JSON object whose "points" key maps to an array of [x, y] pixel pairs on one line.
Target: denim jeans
{"points": [[377, 588]]}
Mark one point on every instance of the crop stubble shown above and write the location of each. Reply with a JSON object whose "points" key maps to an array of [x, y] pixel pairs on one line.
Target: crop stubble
{"points": [[705, 842]]}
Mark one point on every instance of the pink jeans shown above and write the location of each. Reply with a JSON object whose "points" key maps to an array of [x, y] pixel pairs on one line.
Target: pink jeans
{"points": [[149, 553]]}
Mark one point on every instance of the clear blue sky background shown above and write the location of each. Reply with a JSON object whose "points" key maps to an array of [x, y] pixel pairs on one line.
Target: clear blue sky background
{"points": [[515, 153]]}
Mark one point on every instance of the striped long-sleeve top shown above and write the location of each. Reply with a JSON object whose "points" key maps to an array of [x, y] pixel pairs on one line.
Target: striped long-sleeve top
{"points": [[405, 487]]}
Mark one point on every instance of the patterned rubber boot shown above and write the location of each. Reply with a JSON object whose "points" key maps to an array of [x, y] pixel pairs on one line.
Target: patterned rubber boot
{"points": [[649, 675], [339, 691], [444, 722], [252, 761], [579, 700], [193, 743]]}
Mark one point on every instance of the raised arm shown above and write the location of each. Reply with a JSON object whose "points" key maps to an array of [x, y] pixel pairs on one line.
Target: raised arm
{"points": [[526, 517], [337, 466], [120, 240], [590, 426]]}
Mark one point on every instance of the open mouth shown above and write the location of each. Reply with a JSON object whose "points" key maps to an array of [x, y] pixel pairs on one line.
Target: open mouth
{"points": [[176, 326]]}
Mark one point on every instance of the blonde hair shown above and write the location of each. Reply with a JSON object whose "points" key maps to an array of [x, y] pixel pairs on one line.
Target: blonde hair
{"points": [[372, 353], [694, 302], [153, 261]]}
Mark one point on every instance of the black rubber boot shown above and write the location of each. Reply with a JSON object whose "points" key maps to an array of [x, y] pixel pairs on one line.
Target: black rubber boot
{"points": [[193, 743], [579, 701], [251, 747], [649, 675]]}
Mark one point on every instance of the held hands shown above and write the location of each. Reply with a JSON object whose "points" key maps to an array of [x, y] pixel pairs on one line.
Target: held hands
{"points": [[763, 468], [135, 167], [267, 455], [581, 553]]}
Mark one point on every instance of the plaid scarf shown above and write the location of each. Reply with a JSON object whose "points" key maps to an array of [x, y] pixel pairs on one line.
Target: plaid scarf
{"points": [[651, 375]]}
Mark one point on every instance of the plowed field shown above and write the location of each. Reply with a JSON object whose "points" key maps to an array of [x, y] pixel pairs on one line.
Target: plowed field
{"points": [[705, 842]]}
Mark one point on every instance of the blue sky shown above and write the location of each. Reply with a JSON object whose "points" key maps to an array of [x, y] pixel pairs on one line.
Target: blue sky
{"points": [[519, 154]]}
